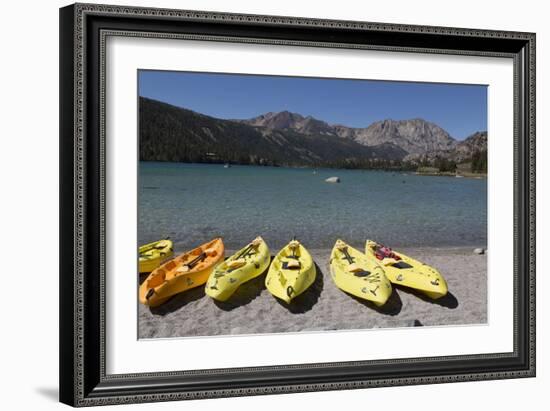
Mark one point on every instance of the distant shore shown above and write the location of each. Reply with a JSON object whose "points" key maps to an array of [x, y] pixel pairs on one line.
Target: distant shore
{"points": [[431, 172], [323, 307], [451, 174]]}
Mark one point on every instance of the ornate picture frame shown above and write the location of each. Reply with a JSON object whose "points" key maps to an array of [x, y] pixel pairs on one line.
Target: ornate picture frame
{"points": [[84, 29]]}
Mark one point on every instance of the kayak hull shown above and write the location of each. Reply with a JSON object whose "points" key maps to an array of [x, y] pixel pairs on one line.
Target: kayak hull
{"points": [[224, 280], [417, 275], [174, 277], [368, 280], [288, 283], [150, 264]]}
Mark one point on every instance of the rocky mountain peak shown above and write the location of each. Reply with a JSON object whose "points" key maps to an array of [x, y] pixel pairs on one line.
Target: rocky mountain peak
{"points": [[286, 120], [409, 139], [476, 143], [415, 135], [276, 120]]}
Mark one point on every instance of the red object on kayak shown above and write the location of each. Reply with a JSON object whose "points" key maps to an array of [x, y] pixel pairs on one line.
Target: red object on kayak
{"points": [[385, 252]]}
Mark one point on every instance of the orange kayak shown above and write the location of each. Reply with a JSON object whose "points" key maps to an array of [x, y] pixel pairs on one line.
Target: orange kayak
{"points": [[188, 270]]}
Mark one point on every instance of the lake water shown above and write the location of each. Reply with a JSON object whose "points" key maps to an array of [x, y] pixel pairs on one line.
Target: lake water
{"points": [[192, 203]]}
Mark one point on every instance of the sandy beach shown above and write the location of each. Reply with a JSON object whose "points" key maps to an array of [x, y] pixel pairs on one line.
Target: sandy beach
{"points": [[252, 309]]}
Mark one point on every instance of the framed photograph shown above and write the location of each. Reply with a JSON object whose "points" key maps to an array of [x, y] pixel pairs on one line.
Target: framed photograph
{"points": [[261, 204]]}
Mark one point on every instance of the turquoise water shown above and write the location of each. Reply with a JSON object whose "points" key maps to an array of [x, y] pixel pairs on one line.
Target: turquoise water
{"points": [[192, 203]]}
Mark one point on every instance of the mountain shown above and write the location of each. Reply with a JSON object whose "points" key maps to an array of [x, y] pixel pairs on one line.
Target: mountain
{"points": [[286, 120], [416, 136], [170, 133], [461, 152], [476, 143]]}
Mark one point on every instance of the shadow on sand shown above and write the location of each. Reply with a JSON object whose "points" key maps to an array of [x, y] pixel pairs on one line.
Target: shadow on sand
{"points": [[305, 301], [245, 294], [392, 307], [448, 300], [179, 300]]}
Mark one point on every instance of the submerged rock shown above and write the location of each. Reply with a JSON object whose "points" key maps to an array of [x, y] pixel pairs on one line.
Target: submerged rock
{"points": [[332, 180]]}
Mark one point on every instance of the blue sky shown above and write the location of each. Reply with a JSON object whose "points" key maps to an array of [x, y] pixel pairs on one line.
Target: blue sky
{"points": [[459, 109]]}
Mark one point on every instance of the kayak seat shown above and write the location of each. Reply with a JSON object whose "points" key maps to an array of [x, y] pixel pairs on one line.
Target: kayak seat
{"points": [[182, 269], [291, 265], [170, 265], [361, 273], [355, 268], [234, 264], [401, 265], [211, 252], [157, 279]]}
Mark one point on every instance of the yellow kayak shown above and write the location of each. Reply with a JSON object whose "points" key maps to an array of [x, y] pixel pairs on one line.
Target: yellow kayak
{"points": [[244, 265], [188, 270], [152, 254], [291, 273], [406, 271], [358, 275]]}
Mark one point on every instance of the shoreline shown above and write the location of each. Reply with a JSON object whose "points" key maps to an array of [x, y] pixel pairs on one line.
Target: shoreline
{"points": [[478, 176], [324, 167], [253, 310]]}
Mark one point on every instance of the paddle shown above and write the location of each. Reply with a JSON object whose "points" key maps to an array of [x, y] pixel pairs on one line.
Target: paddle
{"points": [[244, 252], [347, 257], [196, 260], [247, 249]]}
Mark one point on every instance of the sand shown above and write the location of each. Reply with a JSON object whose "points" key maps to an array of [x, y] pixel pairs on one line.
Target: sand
{"points": [[252, 309]]}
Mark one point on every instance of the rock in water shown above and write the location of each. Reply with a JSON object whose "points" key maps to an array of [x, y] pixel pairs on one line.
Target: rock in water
{"points": [[479, 251], [332, 180]]}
